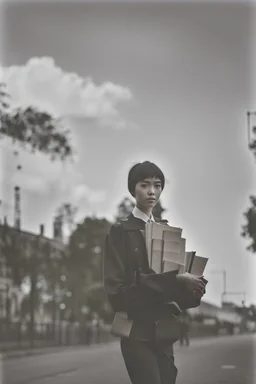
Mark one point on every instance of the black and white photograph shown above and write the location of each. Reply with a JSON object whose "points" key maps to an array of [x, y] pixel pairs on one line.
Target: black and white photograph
{"points": [[127, 192]]}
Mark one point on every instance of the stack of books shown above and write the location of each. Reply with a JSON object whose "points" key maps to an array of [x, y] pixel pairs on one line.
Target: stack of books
{"points": [[166, 250]]}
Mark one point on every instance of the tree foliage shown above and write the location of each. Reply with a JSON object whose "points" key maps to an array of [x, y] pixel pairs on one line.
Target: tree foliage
{"points": [[85, 262], [4, 99], [33, 129], [252, 144], [65, 217], [249, 229], [124, 209], [158, 210], [126, 206]]}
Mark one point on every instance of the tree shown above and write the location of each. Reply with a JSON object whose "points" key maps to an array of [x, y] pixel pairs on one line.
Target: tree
{"points": [[38, 131], [85, 261], [124, 209], [65, 215], [4, 99], [126, 206], [98, 302], [158, 210], [33, 128], [249, 229], [252, 144]]}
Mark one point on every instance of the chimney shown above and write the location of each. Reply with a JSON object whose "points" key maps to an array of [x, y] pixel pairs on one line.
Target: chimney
{"points": [[17, 213], [42, 229]]}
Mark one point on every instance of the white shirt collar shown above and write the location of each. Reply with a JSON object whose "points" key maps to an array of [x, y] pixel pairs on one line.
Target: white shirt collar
{"points": [[141, 215]]}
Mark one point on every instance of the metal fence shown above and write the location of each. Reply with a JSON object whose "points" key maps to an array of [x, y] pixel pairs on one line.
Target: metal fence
{"points": [[15, 336], [18, 335]]}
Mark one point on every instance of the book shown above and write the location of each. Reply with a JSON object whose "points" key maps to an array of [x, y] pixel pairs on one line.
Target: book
{"points": [[198, 265], [158, 231], [121, 325], [167, 250], [189, 257], [167, 256], [172, 251], [170, 266], [174, 234], [195, 264], [156, 258], [183, 248]]}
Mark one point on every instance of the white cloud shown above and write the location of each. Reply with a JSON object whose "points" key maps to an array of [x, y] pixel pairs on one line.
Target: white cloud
{"points": [[70, 184], [82, 192], [39, 176], [43, 84]]}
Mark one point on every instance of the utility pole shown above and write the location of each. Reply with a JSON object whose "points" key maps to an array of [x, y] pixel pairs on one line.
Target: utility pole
{"points": [[224, 286]]}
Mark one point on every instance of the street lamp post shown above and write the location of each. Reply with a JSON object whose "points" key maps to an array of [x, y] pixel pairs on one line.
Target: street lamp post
{"points": [[224, 285]]}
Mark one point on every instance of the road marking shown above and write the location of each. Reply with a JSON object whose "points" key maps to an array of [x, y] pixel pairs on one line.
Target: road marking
{"points": [[228, 367], [58, 375], [50, 376]]}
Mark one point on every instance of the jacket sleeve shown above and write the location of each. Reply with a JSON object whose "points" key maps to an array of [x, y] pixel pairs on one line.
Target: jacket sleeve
{"points": [[187, 300], [136, 300]]}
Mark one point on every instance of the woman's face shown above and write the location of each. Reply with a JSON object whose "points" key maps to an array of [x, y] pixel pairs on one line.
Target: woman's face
{"points": [[147, 193]]}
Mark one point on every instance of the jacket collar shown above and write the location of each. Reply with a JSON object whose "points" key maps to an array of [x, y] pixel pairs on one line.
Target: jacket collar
{"points": [[133, 223], [141, 215]]}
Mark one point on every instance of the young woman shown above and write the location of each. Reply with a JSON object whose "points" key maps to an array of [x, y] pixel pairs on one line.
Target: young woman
{"points": [[134, 288]]}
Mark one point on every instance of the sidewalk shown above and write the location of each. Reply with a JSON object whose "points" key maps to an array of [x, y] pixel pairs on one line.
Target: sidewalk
{"points": [[9, 354], [12, 350], [16, 353]]}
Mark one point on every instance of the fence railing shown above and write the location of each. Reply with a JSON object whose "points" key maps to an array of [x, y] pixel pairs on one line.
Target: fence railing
{"points": [[20, 335]]}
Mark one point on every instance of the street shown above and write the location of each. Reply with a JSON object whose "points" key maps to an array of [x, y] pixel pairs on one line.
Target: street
{"points": [[223, 360]]}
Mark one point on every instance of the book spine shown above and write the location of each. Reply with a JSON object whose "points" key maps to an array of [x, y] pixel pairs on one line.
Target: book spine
{"points": [[191, 261]]}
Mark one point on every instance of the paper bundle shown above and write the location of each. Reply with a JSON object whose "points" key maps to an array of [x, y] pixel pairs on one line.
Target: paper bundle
{"points": [[167, 250]]}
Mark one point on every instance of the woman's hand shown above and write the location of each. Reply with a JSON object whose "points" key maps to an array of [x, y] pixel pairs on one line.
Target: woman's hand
{"points": [[193, 283]]}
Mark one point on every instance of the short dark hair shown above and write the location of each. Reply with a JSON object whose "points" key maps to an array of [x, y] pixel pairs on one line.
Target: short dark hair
{"points": [[142, 171]]}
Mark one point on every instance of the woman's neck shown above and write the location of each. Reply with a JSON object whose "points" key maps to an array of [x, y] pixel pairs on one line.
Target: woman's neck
{"points": [[147, 212]]}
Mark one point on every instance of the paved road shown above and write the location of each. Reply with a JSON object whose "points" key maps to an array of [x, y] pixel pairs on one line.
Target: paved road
{"points": [[224, 360]]}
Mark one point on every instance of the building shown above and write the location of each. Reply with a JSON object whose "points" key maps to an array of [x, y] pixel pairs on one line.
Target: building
{"points": [[22, 249]]}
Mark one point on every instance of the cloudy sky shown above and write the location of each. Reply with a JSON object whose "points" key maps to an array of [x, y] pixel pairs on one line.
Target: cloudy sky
{"points": [[170, 83]]}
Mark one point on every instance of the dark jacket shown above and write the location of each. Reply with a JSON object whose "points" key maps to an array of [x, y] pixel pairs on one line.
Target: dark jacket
{"points": [[132, 286]]}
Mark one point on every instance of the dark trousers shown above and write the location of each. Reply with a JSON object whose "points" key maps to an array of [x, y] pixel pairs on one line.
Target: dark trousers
{"points": [[149, 363]]}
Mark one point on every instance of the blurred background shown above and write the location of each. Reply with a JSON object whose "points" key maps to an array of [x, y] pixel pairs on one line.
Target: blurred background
{"points": [[89, 89]]}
